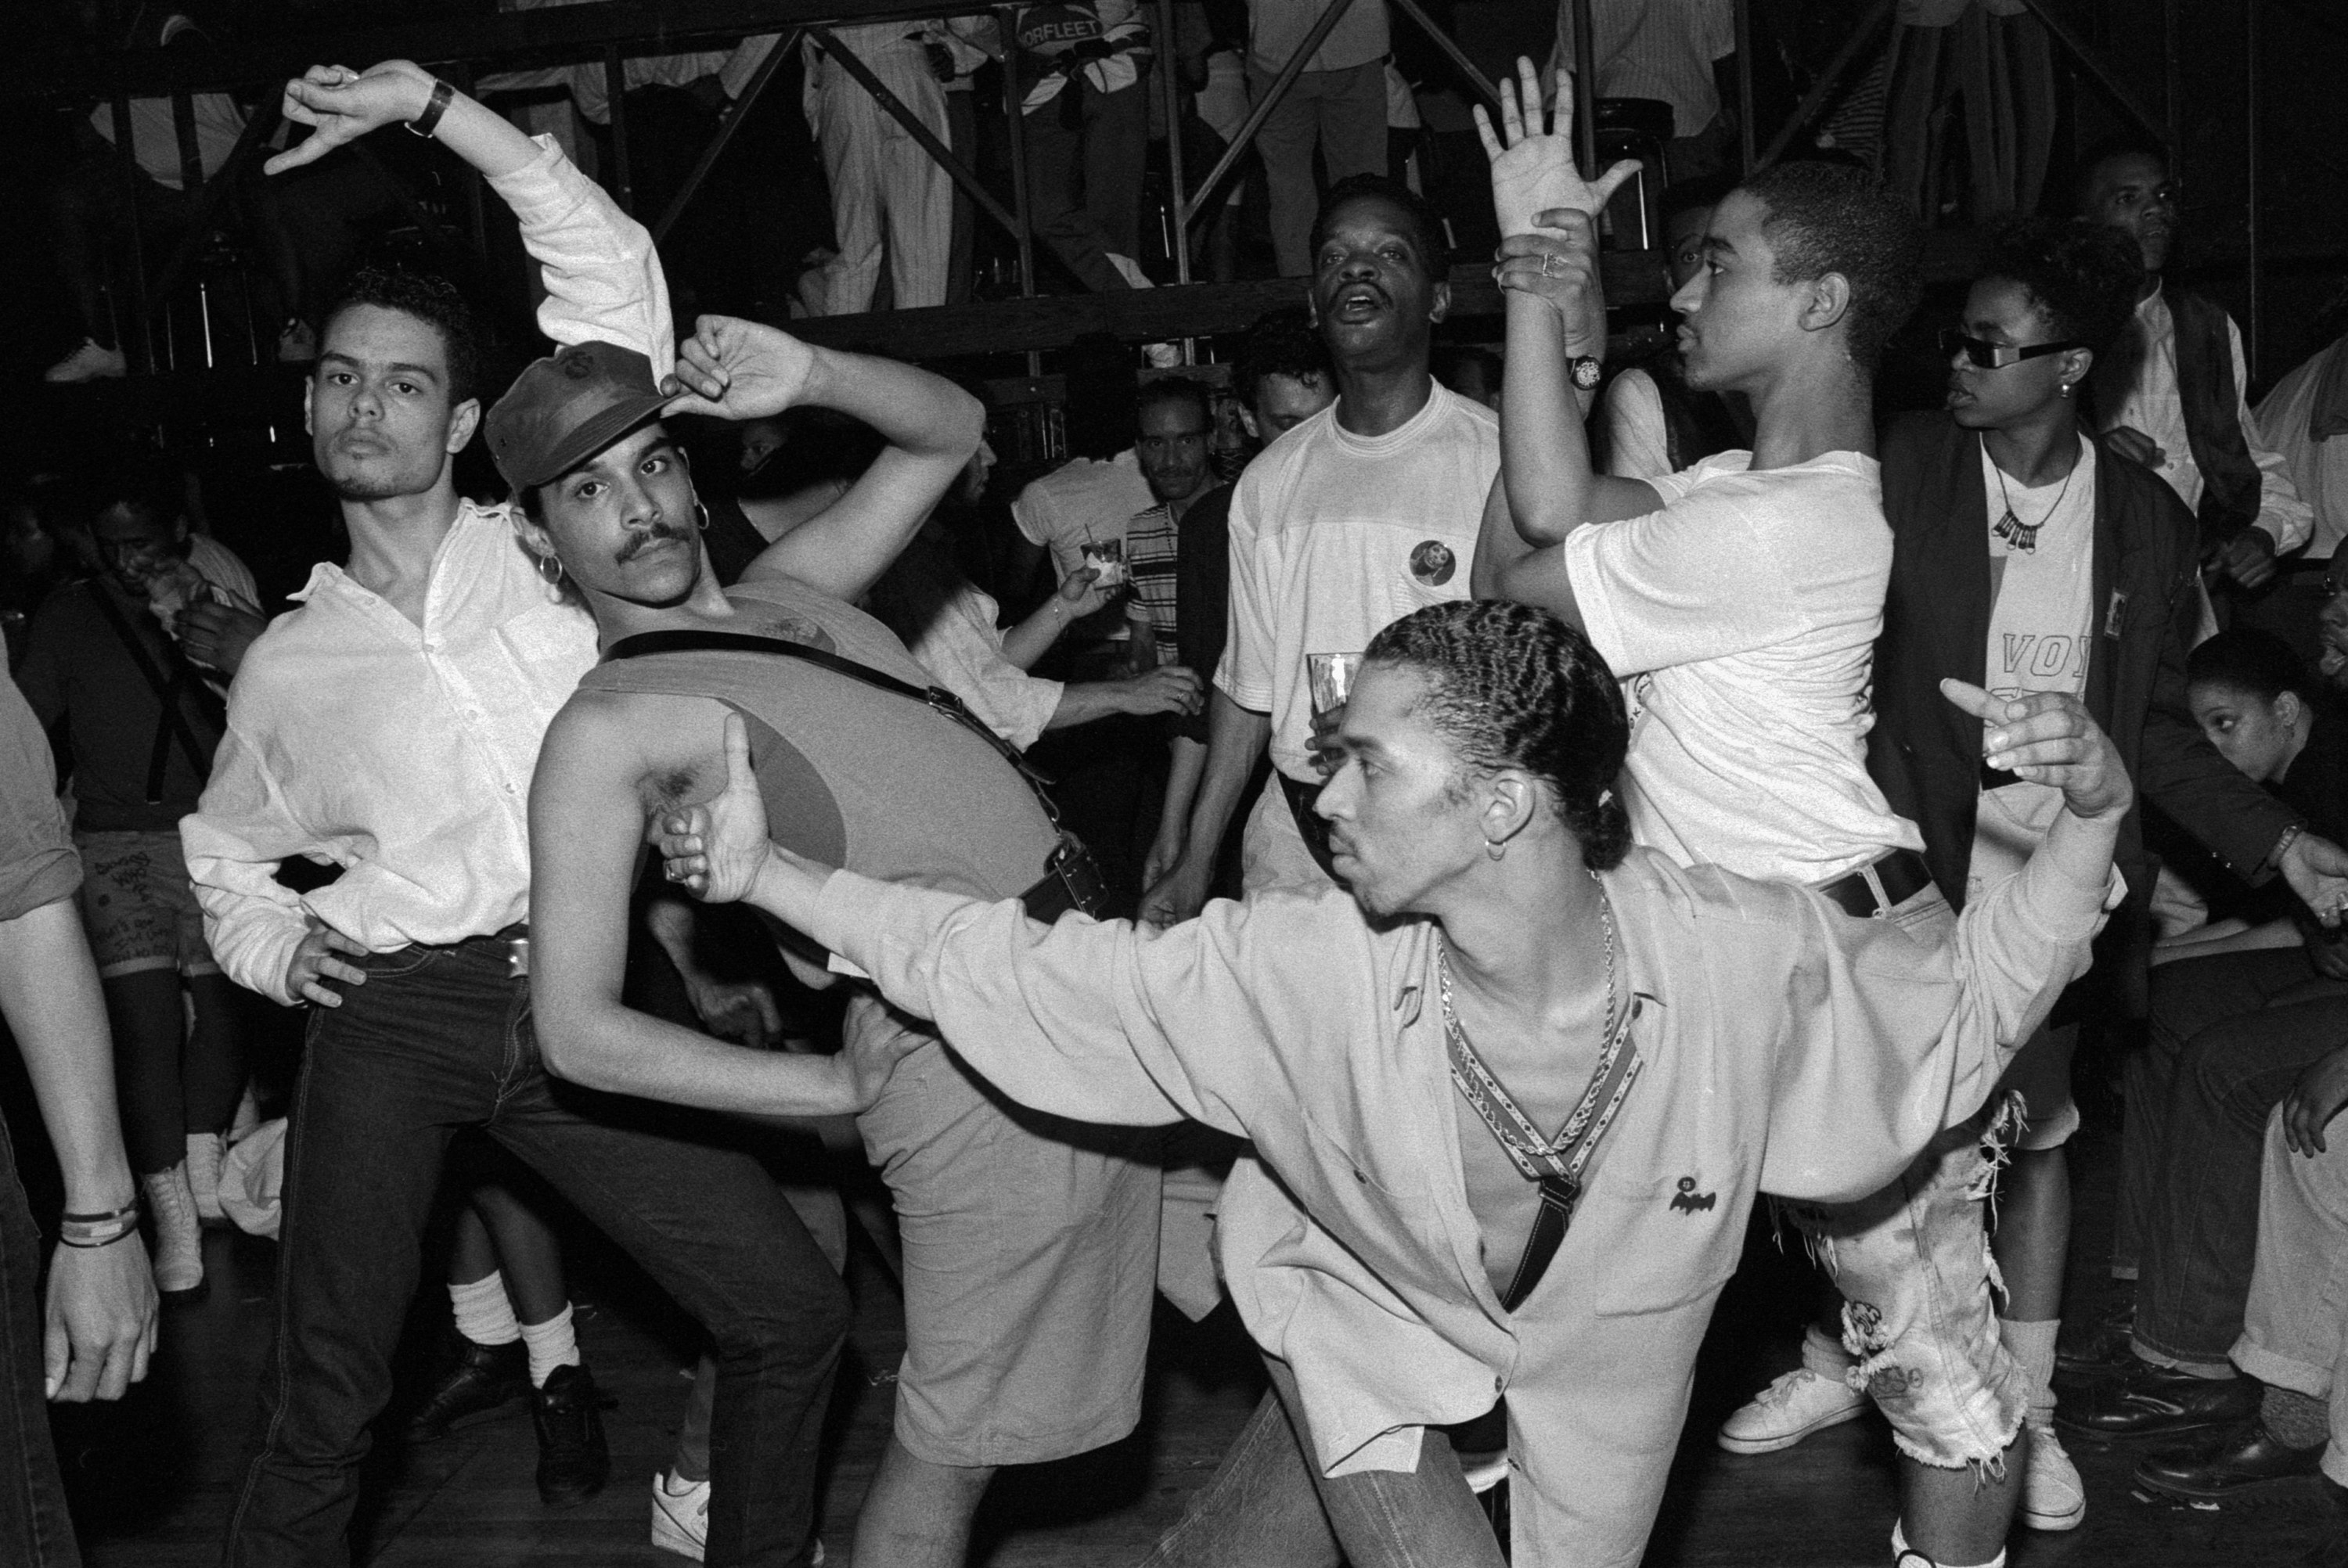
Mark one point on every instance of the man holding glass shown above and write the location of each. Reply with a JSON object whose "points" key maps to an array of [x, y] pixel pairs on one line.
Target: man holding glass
{"points": [[1363, 513]]}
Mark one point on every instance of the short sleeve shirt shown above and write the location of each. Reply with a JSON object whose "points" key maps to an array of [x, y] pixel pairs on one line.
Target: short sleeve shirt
{"points": [[1335, 535], [37, 863], [1085, 501], [1747, 608]]}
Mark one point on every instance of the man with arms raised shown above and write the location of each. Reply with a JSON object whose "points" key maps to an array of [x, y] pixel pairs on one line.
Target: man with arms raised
{"points": [[390, 725], [1744, 597], [1420, 1239], [1031, 1247]]}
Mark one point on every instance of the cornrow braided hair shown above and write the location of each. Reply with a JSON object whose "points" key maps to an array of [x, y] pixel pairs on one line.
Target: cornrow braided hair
{"points": [[1512, 686]]}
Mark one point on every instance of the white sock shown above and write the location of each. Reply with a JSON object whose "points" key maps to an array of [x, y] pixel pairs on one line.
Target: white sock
{"points": [[1900, 1544], [550, 1345], [2033, 1344], [484, 1315], [1824, 1355]]}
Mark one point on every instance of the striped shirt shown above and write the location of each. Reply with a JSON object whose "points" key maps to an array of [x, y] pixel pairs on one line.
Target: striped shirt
{"points": [[1152, 545], [1655, 49]]}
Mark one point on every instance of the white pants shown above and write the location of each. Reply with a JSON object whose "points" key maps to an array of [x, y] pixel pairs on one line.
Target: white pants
{"points": [[882, 179], [2295, 1324]]}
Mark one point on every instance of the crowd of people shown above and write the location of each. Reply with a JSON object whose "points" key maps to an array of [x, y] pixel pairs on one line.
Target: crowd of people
{"points": [[1524, 822]]}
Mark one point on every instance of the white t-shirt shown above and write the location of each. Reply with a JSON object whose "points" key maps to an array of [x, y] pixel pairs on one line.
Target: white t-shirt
{"points": [[1638, 440], [1748, 608], [962, 648], [1334, 536], [2040, 633], [1085, 500]]}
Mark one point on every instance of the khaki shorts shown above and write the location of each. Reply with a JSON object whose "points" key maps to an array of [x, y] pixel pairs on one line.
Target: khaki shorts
{"points": [[136, 901], [1031, 1257]]}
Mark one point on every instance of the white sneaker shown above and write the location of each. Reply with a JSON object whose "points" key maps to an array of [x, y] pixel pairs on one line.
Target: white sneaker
{"points": [[680, 1519], [87, 362], [1789, 1409], [203, 1176], [2052, 1497], [178, 1240]]}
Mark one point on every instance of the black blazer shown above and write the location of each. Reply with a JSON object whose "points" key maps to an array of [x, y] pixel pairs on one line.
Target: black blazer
{"points": [[1925, 752]]}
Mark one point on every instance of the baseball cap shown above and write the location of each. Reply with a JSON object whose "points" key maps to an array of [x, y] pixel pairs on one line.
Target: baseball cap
{"points": [[568, 406]]}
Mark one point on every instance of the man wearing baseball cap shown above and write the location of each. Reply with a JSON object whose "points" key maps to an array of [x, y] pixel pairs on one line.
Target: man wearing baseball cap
{"points": [[390, 726]]}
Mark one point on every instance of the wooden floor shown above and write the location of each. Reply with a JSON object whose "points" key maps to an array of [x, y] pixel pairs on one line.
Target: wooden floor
{"points": [[151, 1478]]}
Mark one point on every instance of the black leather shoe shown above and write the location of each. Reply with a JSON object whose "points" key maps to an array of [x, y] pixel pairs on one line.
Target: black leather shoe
{"points": [[2148, 1401], [2240, 1462], [2103, 1350], [573, 1462], [486, 1379], [2331, 1552]]}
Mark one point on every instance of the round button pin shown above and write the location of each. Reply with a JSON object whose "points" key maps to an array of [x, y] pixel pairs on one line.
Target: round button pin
{"points": [[1433, 563]]}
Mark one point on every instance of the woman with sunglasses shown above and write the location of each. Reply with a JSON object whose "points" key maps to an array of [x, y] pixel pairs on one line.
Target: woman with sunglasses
{"points": [[2030, 557]]}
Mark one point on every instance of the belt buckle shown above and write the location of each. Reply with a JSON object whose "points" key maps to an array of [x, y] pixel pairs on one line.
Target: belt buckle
{"points": [[517, 958]]}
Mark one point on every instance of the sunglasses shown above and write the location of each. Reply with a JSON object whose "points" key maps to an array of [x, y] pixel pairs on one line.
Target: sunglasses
{"points": [[1997, 355]]}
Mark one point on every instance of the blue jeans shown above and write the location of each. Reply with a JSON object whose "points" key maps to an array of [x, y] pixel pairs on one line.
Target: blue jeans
{"points": [[1269, 1506], [439, 1039], [34, 1529]]}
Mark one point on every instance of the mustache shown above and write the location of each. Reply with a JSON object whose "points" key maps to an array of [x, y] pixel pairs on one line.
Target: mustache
{"points": [[639, 543]]}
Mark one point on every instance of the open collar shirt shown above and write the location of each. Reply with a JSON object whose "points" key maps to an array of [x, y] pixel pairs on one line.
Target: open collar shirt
{"points": [[1787, 1048], [403, 751]]}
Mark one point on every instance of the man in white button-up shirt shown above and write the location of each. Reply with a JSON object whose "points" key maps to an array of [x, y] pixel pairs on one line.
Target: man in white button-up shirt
{"points": [[390, 726]]}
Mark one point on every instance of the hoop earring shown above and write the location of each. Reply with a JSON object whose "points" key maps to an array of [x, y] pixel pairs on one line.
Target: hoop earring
{"points": [[1497, 849], [552, 579], [702, 508]]}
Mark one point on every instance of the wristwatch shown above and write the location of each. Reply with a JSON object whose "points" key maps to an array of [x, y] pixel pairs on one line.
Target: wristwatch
{"points": [[1584, 369]]}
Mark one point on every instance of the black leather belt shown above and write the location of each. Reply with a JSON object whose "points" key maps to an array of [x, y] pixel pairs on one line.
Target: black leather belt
{"points": [[1902, 873]]}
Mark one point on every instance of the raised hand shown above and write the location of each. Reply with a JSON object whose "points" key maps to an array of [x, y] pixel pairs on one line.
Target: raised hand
{"points": [[344, 105], [736, 369], [713, 850], [2049, 738], [1533, 167]]}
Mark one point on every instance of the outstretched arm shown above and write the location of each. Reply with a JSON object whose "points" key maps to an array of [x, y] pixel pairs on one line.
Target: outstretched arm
{"points": [[741, 370], [1085, 1018]]}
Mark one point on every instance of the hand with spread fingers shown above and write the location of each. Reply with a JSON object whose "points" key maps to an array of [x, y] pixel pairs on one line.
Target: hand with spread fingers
{"points": [[1533, 167], [2049, 738], [344, 105], [739, 370], [716, 850]]}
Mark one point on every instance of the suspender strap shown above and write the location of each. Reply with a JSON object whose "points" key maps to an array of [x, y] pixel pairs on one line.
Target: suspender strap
{"points": [[169, 690], [938, 698]]}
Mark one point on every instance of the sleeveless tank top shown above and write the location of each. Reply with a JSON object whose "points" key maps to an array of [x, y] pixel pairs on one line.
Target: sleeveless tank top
{"points": [[854, 776]]}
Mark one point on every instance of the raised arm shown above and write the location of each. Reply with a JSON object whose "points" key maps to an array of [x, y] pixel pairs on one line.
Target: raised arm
{"points": [[1556, 313], [1891, 1040], [586, 826], [740, 370]]}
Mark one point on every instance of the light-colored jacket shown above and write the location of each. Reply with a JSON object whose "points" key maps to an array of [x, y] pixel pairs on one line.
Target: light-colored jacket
{"points": [[1788, 1047]]}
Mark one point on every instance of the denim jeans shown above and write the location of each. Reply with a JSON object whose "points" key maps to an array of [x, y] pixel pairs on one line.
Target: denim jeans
{"points": [[2296, 1323], [2256, 1021], [35, 1531], [439, 1039], [1269, 1506], [2273, 1001]]}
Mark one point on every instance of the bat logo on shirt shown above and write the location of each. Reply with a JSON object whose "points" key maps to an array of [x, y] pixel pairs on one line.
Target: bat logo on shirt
{"points": [[1687, 1200]]}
